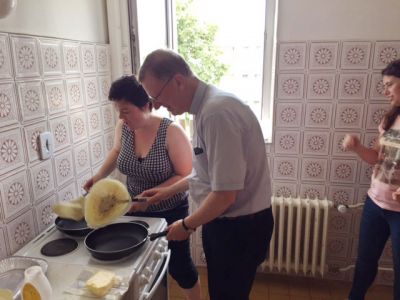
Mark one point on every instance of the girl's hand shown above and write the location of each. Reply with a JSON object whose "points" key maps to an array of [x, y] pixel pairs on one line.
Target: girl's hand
{"points": [[396, 195], [350, 142]]}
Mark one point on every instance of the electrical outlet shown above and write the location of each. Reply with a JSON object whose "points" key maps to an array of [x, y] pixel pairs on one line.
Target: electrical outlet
{"points": [[46, 143]]}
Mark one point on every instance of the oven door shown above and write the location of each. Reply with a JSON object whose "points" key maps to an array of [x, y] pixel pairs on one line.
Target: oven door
{"points": [[153, 285]]}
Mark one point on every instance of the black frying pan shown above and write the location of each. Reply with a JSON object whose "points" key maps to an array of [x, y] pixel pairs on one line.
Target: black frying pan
{"points": [[118, 240], [72, 228]]}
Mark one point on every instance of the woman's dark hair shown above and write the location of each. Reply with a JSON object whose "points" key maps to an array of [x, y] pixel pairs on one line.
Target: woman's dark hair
{"points": [[392, 69], [127, 88]]}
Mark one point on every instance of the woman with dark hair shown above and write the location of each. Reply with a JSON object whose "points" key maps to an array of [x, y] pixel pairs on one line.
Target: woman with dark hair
{"points": [[381, 215], [152, 152]]}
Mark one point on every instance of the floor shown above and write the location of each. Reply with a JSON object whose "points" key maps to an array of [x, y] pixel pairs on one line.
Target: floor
{"points": [[278, 287]]}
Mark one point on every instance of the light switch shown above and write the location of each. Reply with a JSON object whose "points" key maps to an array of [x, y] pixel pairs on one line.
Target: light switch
{"points": [[46, 143]]}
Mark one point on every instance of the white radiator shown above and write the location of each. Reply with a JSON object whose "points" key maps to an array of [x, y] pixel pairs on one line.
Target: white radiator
{"points": [[298, 243]]}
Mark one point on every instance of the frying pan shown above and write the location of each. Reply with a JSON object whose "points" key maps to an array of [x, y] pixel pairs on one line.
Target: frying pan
{"points": [[72, 228], [118, 240]]}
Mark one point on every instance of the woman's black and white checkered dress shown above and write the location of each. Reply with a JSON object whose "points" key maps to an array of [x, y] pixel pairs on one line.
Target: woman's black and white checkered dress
{"points": [[150, 171]]}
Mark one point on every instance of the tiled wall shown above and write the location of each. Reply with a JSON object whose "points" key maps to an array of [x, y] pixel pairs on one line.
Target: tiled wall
{"points": [[325, 89], [52, 85]]}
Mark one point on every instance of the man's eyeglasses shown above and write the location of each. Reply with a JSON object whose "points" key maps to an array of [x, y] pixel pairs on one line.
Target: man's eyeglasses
{"points": [[154, 99]]}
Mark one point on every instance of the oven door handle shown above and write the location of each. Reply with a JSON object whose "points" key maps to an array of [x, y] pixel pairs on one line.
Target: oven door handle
{"points": [[149, 294]]}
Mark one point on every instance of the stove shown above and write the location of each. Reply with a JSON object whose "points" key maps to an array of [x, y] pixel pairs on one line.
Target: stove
{"points": [[146, 268]]}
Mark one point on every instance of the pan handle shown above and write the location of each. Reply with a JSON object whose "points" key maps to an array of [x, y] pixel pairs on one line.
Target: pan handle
{"points": [[154, 236]]}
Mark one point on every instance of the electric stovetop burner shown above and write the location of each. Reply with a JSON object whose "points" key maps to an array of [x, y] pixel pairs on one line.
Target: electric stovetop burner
{"points": [[59, 247]]}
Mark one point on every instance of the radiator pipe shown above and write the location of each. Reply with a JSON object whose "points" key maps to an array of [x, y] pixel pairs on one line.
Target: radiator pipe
{"points": [[343, 208]]}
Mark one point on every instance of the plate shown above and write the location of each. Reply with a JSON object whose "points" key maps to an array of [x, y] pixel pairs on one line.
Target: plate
{"points": [[12, 271]]}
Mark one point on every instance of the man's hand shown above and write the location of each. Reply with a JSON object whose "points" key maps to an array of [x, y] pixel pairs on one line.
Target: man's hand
{"points": [[176, 232]]}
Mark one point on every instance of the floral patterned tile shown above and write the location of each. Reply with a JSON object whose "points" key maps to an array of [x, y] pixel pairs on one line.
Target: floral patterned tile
{"points": [[292, 56], [365, 173], [285, 168], [55, 95], [337, 146], [323, 55], [31, 100], [352, 86], [91, 90], [316, 143], [108, 140], [59, 127], [333, 272], [321, 86], [68, 193], [8, 104], [64, 167], [343, 170], [3, 243], [314, 169], [104, 86], [51, 56], [312, 191], [362, 194], [25, 54], [290, 86], [341, 194], [284, 189], [32, 133], [107, 113], [318, 115], [370, 139], [71, 54], [42, 179], [288, 115], [11, 150], [88, 58], [75, 93], [5, 58], [355, 55], [375, 114], [376, 87], [95, 121], [44, 213], [126, 61], [96, 150], [287, 142], [339, 222], [337, 246], [21, 230], [82, 157], [384, 53], [103, 58], [199, 257], [15, 194], [349, 115], [79, 126]]}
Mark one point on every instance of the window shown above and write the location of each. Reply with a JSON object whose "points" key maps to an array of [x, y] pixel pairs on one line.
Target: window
{"points": [[245, 37]]}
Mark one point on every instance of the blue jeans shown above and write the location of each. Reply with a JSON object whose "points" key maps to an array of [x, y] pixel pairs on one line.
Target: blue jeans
{"points": [[377, 225]]}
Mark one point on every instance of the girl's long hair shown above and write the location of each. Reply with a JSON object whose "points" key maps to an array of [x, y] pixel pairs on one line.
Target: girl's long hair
{"points": [[392, 69]]}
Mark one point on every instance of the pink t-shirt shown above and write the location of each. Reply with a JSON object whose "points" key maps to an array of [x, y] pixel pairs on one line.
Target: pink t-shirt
{"points": [[385, 177]]}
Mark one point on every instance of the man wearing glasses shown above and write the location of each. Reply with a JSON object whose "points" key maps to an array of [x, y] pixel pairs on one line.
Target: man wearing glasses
{"points": [[230, 180]]}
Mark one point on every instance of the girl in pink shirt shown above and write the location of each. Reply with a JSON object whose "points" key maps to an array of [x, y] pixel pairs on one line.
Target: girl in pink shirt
{"points": [[381, 215]]}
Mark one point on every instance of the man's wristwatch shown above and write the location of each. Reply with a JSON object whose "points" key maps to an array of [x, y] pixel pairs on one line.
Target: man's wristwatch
{"points": [[188, 229]]}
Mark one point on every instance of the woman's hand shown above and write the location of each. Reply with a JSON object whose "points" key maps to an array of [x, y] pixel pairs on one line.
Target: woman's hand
{"points": [[155, 195], [139, 206], [88, 184], [351, 142]]}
